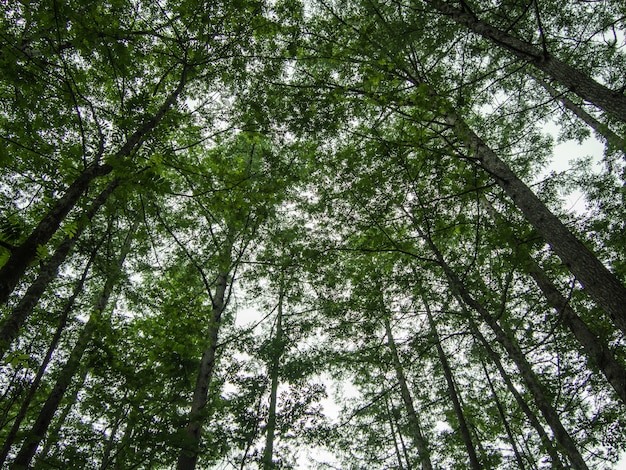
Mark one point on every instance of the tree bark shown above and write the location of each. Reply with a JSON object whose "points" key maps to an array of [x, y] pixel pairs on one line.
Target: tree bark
{"points": [[188, 457], [416, 429], [456, 404], [503, 417], [22, 256], [530, 414], [10, 326], [274, 367], [530, 379], [601, 284], [570, 77], [611, 137], [71, 367], [10, 438], [596, 350]]}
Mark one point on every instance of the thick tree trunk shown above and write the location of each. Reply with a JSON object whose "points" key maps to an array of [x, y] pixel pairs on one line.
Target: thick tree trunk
{"points": [[595, 349], [602, 285], [188, 457], [71, 367], [416, 429], [23, 255], [530, 379], [10, 326], [452, 392], [10, 438], [274, 367], [571, 78]]}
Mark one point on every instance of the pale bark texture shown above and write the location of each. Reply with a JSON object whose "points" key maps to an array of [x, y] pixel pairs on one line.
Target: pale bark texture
{"points": [[274, 368], [188, 457], [69, 305], [414, 423], [571, 78], [505, 421], [611, 137], [595, 349], [521, 402]]}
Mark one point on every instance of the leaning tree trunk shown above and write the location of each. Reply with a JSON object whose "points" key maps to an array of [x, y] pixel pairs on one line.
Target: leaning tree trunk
{"points": [[22, 256], [34, 386], [521, 402], [71, 367], [274, 367], [452, 392], [504, 418], [417, 435], [570, 77], [188, 457], [10, 325], [605, 131], [596, 350], [532, 382], [601, 284]]}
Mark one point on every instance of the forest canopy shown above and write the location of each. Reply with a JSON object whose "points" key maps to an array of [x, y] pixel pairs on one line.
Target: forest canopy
{"points": [[319, 234]]}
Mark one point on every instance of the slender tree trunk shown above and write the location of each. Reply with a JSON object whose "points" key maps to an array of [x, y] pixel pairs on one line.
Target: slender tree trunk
{"points": [[10, 438], [517, 356], [503, 417], [71, 367], [10, 325], [602, 285], [53, 435], [456, 403], [530, 414], [416, 429], [22, 256], [189, 456], [570, 77], [274, 367], [611, 137], [394, 434]]}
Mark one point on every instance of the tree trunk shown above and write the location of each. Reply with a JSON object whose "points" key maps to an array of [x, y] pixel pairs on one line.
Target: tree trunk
{"points": [[503, 417], [456, 404], [611, 137], [602, 285], [53, 435], [517, 356], [39, 429], [416, 429], [189, 455], [570, 77], [10, 438], [596, 350], [274, 367], [10, 326], [530, 414], [22, 256], [394, 434]]}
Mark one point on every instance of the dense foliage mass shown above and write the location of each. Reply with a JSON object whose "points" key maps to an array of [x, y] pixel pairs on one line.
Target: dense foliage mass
{"points": [[273, 234]]}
